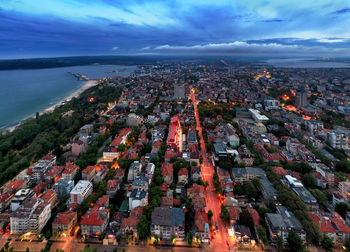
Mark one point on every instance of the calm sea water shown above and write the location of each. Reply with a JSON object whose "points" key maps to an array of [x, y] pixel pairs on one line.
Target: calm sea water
{"points": [[305, 63], [25, 92]]}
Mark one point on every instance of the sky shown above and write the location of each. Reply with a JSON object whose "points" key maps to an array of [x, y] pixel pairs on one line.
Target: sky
{"points": [[45, 28]]}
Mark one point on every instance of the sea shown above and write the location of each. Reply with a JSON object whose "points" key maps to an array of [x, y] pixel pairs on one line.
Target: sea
{"points": [[25, 92], [305, 63]]}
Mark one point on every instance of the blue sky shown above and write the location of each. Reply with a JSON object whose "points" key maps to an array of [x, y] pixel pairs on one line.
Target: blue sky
{"points": [[43, 28]]}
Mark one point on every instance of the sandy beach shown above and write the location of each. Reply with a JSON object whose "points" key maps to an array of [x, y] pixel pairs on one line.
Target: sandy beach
{"points": [[76, 93], [86, 86]]}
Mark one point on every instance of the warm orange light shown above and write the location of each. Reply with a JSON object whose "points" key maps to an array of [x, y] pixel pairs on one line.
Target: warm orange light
{"points": [[285, 97], [290, 108]]}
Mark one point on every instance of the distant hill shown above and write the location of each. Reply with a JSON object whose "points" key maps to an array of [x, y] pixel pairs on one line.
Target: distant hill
{"points": [[38, 63]]}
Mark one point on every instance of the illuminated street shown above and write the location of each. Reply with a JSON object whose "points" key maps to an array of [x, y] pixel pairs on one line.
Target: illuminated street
{"points": [[221, 239]]}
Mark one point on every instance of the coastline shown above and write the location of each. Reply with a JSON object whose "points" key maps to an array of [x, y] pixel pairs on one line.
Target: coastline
{"points": [[87, 85]]}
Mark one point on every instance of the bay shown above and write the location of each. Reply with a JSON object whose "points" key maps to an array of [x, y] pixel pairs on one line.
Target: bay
{"points": [[25, 92]]}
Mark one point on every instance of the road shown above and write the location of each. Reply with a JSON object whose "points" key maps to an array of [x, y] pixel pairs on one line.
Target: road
{"points": [[221, 241]]}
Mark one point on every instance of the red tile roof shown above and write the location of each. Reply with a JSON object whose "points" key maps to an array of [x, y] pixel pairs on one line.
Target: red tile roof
{"points": [[279, 170], [70, 168], [88, 169], [4, 196], [167, 169], [65, 218], [39, 187], [234, 213], [103, 201], [200, 219], [255, 216], [95, 217], [117, 141], [112, 185], [15, 184], [130, 222], [49, 194], [183, 171], [137, 212]]}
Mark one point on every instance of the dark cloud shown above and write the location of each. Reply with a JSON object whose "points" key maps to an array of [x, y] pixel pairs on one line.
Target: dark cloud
{"points": [[274, 20], [342, 11]]}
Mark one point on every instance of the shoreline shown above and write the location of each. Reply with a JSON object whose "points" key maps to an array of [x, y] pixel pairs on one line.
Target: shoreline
{"points": [[86, 86], [76, 93]]}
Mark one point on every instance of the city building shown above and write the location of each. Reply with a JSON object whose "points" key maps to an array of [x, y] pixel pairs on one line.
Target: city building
{"points": [[94, 221], [168, 222], [31, 216], [64, 223], [281, 223], [88, 173], [338, 139], [21, 196], [134, 171], [112, 187], [133, 120], [201, 222], [175, 134], [63, 187], [80, 191], [138, 197]]}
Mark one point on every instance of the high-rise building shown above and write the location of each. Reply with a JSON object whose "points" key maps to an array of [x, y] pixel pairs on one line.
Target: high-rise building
{"points": [[300, 99], [175, 134]]}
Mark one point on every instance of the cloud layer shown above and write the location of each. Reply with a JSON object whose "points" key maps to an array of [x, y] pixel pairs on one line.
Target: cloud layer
{"points": [[31, 28]]}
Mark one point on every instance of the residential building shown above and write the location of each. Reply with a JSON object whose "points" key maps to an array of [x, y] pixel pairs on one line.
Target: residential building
{"points": [[21, 196], [134, 171], [80, 191], [150, 168], [88, 173], [63, 187], [31, 216], [113, 186], [344, 189], [338, 139], [281, 223], [167, 222], [64, 223], [332, 225], [183, 176], [129, 227], [70, 171], [94, 221], [50, 196], [138, 197], [201, 222], [167, 173]]}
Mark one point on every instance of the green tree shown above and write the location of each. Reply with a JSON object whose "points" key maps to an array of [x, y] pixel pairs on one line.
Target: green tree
{"points": [[327, 243], [210, 214], [251, 191], [143, 228], [246, 219], [309, 180], [190, 238], [224, 214], [341, 208], [280, 244], [295, 243], [262, 235]]}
